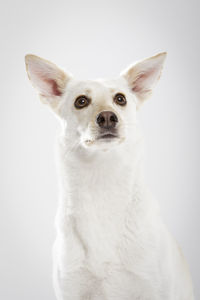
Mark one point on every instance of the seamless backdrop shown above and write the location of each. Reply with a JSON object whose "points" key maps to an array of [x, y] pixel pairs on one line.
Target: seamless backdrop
{"points": [[93, 39]]}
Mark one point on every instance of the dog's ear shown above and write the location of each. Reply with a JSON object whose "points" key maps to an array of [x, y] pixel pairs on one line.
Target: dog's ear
{"points": [[143, 75], [47, 78]]}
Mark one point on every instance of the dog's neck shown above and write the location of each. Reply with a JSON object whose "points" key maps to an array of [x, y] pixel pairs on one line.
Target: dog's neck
{"points": [[100, 175]]}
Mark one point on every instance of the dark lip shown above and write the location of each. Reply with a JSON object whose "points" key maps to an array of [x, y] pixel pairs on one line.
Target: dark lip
{"points": [[107, 136]]}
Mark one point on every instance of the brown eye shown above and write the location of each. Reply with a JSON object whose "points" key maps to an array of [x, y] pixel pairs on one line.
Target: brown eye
{"points": [[120, 99], [81, 101]]}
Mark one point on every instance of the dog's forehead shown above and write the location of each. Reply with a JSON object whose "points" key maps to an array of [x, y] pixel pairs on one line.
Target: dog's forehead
{"points": [[98, 87]]}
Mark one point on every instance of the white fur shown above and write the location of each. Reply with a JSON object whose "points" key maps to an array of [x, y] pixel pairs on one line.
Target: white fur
{"points": [[111, 241]]}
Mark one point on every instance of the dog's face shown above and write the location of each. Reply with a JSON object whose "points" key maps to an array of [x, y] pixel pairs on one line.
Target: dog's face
{"points": [[100, 113]]}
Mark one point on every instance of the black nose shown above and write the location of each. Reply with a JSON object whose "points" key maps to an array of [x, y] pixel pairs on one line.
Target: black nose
{"points": [[107, 119]]}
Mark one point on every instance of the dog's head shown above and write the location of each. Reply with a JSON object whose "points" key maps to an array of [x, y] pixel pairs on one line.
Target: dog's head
{"points": [[98, 113]]}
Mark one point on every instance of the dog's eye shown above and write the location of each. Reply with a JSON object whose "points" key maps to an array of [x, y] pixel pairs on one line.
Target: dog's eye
{"points": [[81, 101], [120, 99]]}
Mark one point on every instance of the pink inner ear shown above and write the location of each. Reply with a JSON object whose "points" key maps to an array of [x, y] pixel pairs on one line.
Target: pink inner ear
{"points": [[54, 87], [141, 81], [138, 85]]}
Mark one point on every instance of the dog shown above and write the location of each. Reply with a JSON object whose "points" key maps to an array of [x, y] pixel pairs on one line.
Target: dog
{"points": [[111, 241]]}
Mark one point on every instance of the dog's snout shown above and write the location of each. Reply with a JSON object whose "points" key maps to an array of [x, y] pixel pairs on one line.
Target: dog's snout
{"points": [[107, 119]]}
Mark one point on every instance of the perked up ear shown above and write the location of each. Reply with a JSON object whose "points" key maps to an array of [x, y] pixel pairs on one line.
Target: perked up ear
{"points": [[47, 78], [143, 75]]}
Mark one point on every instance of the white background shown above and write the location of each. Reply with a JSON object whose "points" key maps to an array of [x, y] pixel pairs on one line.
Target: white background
{"points": [[93, 39]]}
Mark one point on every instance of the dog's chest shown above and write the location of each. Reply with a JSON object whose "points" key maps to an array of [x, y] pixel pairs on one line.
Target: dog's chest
{"points": [[100, 206], [100, 225]]}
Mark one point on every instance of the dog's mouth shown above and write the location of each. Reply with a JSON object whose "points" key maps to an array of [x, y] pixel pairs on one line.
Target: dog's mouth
{"points": [[107, 136], [104, 137]]}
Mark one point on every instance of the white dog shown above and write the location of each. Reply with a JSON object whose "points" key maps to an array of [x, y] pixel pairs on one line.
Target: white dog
{"points": [[111, 241]]}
